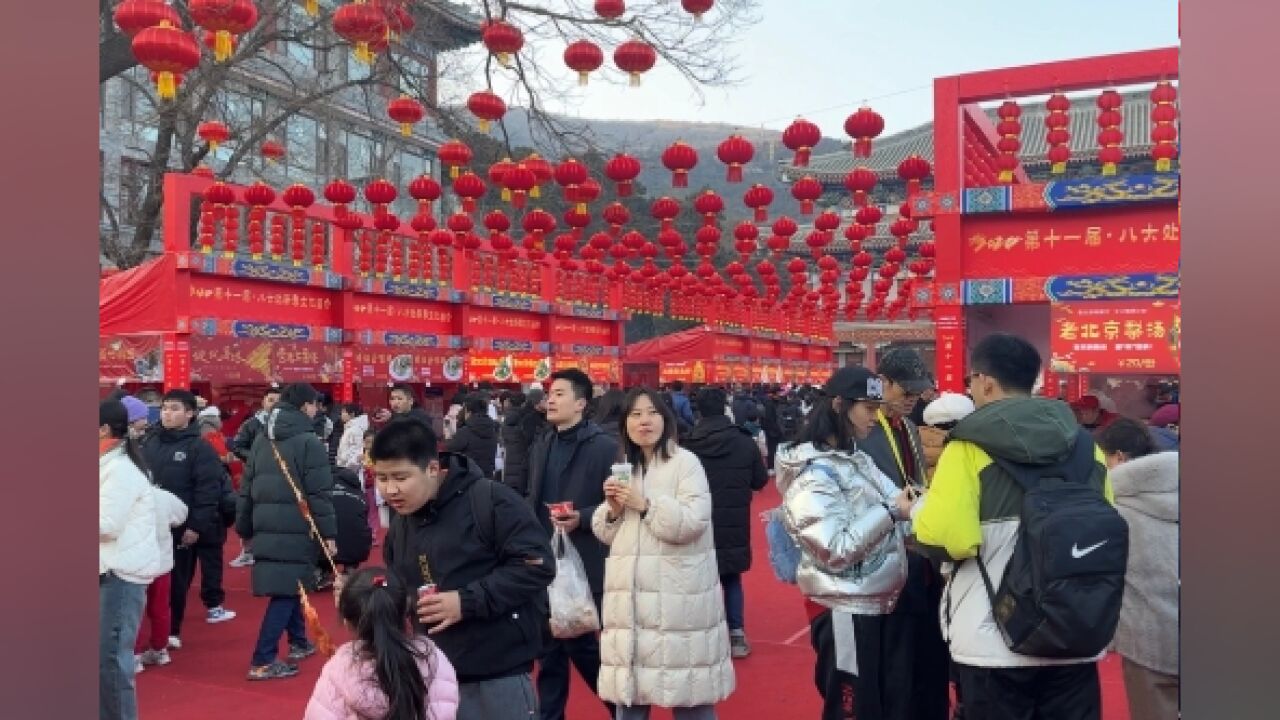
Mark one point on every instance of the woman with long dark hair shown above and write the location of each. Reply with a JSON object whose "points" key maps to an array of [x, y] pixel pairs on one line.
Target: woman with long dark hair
{"points": [[609, 412], [385, 673], [665, 641], [128, 557], [844, 515]]}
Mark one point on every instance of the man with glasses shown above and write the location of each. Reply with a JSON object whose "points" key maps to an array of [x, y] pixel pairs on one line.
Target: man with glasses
{"points": [[919, 655]]}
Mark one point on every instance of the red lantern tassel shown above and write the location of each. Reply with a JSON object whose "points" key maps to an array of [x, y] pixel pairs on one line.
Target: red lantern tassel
{"points": [[1006, 176], [680, 179], [802, 157], [913, 187], [468, 205], [506, 195], [166, 85], [806, 207], [1164, 165], [624, 188], [518, 199], [735, 173], [536, 191], [762, 214], [862, 148], [582, 78]]}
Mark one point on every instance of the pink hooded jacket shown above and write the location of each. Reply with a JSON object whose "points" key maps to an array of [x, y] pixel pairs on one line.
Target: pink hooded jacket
{"points": [[347, 689]]}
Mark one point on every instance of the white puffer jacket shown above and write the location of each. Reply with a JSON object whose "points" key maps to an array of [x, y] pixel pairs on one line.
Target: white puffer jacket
{"points": [[126, 520], [170, 513], [665, 641]]}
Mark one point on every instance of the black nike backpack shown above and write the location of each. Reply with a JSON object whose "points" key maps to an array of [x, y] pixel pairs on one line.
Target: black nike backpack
{"points": [[1061, 592]]}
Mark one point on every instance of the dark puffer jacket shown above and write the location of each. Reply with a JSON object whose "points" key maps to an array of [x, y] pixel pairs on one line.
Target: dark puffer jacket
{"points": [[478, 440], [518, 432], [734, 469], [186, 465], [284, 549], [355, 537]]}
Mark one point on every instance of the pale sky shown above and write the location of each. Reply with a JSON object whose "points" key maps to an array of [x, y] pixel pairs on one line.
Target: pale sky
{"points": [[821, 58]]}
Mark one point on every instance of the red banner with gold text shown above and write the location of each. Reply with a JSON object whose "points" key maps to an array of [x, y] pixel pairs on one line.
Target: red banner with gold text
{"points": [[1117, 337]]}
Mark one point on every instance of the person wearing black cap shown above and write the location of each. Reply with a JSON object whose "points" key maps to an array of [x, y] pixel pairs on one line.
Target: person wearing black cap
{"points": [[843, 513], [920, 652]]}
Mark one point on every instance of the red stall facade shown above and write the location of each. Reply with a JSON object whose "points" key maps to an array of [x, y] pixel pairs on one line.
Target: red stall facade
{"points": [[718, 355]]}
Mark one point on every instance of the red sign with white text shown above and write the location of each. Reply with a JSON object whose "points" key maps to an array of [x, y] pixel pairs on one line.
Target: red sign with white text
{"points": [[235, 299], [372, 312], [507, 324], [1135, 239], [571, 330], [1117, 337]]}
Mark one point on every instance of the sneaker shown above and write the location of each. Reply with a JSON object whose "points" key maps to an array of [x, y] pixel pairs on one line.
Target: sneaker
{"points": [[273, 671], [137, 664], [244, 559], [175, 642], [738, 647], [156, 657], [219, 614], [301, 652]]}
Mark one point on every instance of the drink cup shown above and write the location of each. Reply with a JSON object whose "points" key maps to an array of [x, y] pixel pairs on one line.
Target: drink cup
{"points": [[621, 473], [427, 589]]}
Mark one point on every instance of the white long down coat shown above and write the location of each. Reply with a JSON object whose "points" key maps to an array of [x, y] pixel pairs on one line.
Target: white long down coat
{"points": [[665, 641]]}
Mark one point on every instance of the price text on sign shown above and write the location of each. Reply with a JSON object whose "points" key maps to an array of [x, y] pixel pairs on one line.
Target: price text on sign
{"points": [[1117, 337]]}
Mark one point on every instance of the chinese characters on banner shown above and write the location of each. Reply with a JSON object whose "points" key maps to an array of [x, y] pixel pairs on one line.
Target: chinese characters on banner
{"points": [[569, 330], [493, 367], [397, 364], [950, 348], [137, 358], [372, 312], [1116, 337], [1134, 239], [232, 298], [240, 360], [515, 325]]}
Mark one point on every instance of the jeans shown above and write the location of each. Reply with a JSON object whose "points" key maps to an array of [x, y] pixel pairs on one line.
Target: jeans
{"points": [[120, 606], [641, 712], [734, 600], [553, 671], [284, 614], [506, 698]]}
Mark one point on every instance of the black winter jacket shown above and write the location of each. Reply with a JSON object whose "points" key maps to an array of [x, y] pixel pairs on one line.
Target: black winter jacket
{"points": [[478, 440], [355, 537], [518, 433], [734, 469], [501, 580], [588, 466], [284, 549], [249, 431], [186, 465]]}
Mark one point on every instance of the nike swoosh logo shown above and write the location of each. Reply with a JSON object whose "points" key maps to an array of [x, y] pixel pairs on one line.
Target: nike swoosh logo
{"points": [[1077, 553]]}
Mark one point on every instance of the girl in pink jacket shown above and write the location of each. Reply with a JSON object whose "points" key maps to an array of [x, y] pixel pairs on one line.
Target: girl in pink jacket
{"points": [[385, 673]]}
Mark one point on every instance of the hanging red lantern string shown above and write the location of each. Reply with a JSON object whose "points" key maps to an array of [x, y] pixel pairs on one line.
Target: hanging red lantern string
{"points": [[169, 53], [1110, 136], [1057, 122], [455, 155], [1010, 131], [538, 224], [800, 137], [680, 158], [387, 256], [913, 170], [279, 235], [218, 201], [807, 190], [635, 58], [735, 152], [665, 210], [419, 250], [569, 174], [746, 236], [1164, 132], [319, 246], [406, 111], [213, 132], [259, 195], [298, 197], [363, 25], [583, 57], [366, 246], [225, 19], [502, 39], [617, 215], [487, 107], [470, 188], [622, 169], [709, 205], [758, 198], [863, 126]]}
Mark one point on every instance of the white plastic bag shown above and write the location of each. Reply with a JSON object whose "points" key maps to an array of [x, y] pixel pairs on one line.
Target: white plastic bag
{"points": [[573, 611]]}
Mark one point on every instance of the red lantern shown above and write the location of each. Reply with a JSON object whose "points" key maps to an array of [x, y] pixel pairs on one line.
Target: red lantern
{"points": [[1164, 134], [425, 190], [617, 215], [497, 173], [259, 195], [487, 107], [1110, 137], [583, 193], [622, 169], [520, 180], [134, 16], [735, 152], [697, 8], [406, 111], [806, 190], [583, 57], [340, 193], [863, 126], [213, 132], [470, 188], [1057, 122], [680, 158], [746, 235], [225, 19], [610, 9], [542, 171], [272, 150], [363, 25], [709, 205], [168, 53], [502, 39], [1010, 131], [758, 198], [800, 137], [299, 197], [666, 210], [913, 170], [869, 215], [635, 58], [571, 173], [455, 155], [860, 181]]}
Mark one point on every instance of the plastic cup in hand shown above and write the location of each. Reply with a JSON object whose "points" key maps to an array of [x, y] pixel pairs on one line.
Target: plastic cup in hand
{"points": [[425, 590], [621, 473]]}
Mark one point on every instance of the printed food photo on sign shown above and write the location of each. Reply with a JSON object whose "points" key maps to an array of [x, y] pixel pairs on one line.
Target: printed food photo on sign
{"points": [[505, 370], [542, 371], [453, 368], [401, 368]]}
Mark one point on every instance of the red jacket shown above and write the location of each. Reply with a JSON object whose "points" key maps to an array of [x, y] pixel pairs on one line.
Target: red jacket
{"points": [[234, 465]]}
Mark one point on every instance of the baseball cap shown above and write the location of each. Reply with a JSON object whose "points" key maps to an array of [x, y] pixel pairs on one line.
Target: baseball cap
{"points": [[906, 368], [136, 408], [854, 382]]}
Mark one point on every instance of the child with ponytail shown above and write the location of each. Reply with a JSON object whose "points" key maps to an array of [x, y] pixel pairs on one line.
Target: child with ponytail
{"points": [[386, 673]]}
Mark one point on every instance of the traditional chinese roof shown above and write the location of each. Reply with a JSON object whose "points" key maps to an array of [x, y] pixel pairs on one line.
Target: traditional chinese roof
{"points": [[452, 25], [889, 151]]}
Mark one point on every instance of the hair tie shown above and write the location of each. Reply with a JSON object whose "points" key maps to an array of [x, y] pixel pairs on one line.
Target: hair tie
{"points": [[380, 580]]}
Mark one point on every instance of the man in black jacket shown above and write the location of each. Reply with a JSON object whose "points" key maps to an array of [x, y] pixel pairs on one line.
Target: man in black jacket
{"points": [[287, 458], [477, 438], [404, 406], [520, 426], [480, 547], [355, 536], [250, 429], [186, 465], [734, 469], [570, 462]]}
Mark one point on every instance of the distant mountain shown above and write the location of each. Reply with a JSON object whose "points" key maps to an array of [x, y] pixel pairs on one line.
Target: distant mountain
{"points": [[648, 139]]}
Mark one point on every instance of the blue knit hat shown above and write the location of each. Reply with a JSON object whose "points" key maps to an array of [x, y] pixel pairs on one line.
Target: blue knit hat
{"points": [[136, 408]]}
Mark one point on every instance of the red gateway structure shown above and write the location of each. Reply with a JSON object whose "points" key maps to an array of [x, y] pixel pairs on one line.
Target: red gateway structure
{"points": [[1085, 266]]}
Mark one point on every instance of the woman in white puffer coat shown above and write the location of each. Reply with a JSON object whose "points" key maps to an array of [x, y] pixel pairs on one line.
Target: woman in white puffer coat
{"points": [[665, 641]]}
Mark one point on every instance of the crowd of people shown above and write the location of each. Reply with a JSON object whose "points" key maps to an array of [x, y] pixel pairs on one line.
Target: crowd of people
{"points": [[910, 515]]}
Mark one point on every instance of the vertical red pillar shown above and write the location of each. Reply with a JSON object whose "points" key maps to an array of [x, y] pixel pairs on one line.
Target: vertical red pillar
{"points": [[948, 314]]}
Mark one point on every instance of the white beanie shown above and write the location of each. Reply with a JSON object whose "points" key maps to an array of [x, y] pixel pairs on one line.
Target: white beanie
{"points": [[947, 408]]}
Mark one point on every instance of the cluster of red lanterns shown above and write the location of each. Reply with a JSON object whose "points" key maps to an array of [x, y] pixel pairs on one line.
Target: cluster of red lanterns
{"points": [[1057, 122], [225, 19], [1110, 136], [1164, 131], [1010, 131]]}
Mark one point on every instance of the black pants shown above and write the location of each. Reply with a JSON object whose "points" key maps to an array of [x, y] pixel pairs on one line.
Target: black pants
{"points": [[1063, 692], [553, 671], [185, 560], [900, 675]]}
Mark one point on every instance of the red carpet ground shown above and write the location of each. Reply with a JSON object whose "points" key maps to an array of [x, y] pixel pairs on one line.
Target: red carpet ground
{"points": [[206, 680]]}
